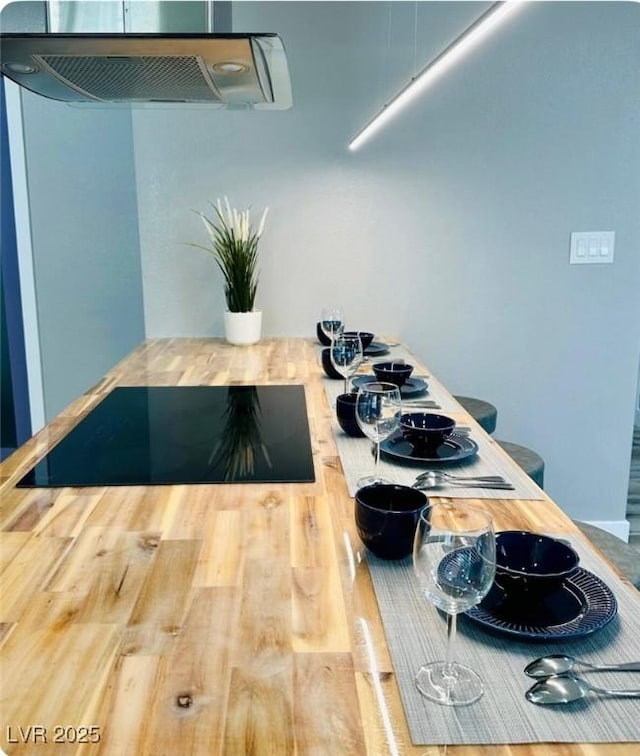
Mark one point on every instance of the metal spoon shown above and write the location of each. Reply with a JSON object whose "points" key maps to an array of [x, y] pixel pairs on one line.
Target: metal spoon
{"points": [[565, 688], [432, 481], [443, 477], [557, 664]]}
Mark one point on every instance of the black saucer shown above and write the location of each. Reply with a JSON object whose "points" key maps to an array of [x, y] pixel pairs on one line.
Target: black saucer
{"points": [[580, 606], [412, 387], [376, 349], [453, 449]]}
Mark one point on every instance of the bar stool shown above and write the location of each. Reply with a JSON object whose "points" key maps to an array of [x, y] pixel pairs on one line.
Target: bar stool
{"points": [[484, 413], [619, 553], [531, 462]]}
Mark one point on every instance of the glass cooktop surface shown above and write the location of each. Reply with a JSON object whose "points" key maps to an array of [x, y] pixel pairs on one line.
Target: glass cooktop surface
{"points": [[156, 435]]}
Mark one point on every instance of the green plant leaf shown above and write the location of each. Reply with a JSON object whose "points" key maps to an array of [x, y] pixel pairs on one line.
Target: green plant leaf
{"points": [[236, 254]]}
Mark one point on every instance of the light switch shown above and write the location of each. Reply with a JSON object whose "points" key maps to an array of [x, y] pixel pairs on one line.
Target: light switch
{"points": [[592, 247]]}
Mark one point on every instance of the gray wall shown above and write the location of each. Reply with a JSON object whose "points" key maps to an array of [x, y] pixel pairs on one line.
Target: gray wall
{"points": [[637, 420], [82, 204], [451, 228], [84, 233]]}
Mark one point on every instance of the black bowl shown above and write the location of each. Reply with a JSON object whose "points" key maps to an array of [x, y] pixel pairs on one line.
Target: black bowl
{"points": [[387, 516], [327, 366], [346, 414], [392, 372], [426, 430], [529, 566], [366, 337], [322, 336]]}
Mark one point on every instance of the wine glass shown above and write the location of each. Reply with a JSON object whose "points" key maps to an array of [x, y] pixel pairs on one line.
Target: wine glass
{"points": [[454, 559], [378, 410], [331, 321], [345, 353]]}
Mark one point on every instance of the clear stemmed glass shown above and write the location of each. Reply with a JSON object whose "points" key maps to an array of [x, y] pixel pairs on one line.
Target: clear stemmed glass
{"points": [[346, 356], [378, 410], [331, 321], [454, 559]]}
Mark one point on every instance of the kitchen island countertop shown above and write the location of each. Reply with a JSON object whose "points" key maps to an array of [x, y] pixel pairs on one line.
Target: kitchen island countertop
{"points": [[210, 618]]}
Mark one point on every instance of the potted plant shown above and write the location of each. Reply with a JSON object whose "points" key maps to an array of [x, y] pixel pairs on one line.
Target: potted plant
{"points": [[234, 246]]}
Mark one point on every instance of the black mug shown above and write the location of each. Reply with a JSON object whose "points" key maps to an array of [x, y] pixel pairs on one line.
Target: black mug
{"points": [[346, 414], [386, 518], [327, 365]]}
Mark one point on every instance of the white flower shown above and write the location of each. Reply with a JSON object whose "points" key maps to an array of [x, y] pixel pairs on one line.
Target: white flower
{"points": [[261, 226], [238, 222], [229, 213], [245, 226]]}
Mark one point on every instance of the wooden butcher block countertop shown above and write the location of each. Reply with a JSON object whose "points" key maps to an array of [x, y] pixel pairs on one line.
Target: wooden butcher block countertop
{"points": [[204, 619]]}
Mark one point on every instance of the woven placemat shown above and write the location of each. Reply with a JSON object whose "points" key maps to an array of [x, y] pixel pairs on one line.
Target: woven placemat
{"points": [[416, 633], [357, 459]]}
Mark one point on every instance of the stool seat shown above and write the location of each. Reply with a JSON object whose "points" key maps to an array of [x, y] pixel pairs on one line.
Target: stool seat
{"points": [[531, 462], [619, 553], [484, 413]]}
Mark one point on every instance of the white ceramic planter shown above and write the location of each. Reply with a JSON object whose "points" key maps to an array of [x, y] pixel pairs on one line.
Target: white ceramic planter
{"points": [[243, 327]]}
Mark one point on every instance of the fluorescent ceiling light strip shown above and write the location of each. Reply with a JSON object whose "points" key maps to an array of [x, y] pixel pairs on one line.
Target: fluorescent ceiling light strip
{"points": [[483, 26]]}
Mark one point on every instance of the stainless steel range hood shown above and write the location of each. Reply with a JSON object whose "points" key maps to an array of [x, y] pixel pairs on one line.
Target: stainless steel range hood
{"points": [[141, 53], [224, 70]]}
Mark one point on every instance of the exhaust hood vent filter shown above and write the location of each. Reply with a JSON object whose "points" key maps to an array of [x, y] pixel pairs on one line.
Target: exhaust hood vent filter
{"points": [[222, 70], [118, 79]]}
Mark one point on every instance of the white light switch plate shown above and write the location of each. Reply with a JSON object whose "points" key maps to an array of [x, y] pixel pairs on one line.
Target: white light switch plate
{"points": [[592, 247]]}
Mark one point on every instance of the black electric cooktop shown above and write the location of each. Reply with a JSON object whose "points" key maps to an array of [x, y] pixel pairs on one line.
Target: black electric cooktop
{"points": [[157, 435]]}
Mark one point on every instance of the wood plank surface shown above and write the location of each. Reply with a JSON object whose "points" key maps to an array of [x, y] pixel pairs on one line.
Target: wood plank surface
{"points": [[205, 619]]}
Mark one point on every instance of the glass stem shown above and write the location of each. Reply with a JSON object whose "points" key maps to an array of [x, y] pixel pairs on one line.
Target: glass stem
{"points": [[451, 637], [346, 384], [376, 460]]}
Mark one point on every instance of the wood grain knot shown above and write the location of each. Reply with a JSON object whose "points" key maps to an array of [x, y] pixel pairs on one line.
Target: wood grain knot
{"points": [[271, 501], [101, 553], [184, 700], [149, 542]]}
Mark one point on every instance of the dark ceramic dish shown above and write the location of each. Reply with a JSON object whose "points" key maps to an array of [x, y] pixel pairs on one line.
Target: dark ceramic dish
{"points": [[346, 414], [426, 431], [392, 372], [366, 337], [455, 449], [580, 606], [412, 387], [322, 336], [386, 518], [529, 566], [328, 368]]}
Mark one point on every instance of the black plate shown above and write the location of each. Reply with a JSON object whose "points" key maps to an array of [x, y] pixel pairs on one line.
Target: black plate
{"points": [[376, 349], [580, 606], [411, 387], [455, 448]]}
